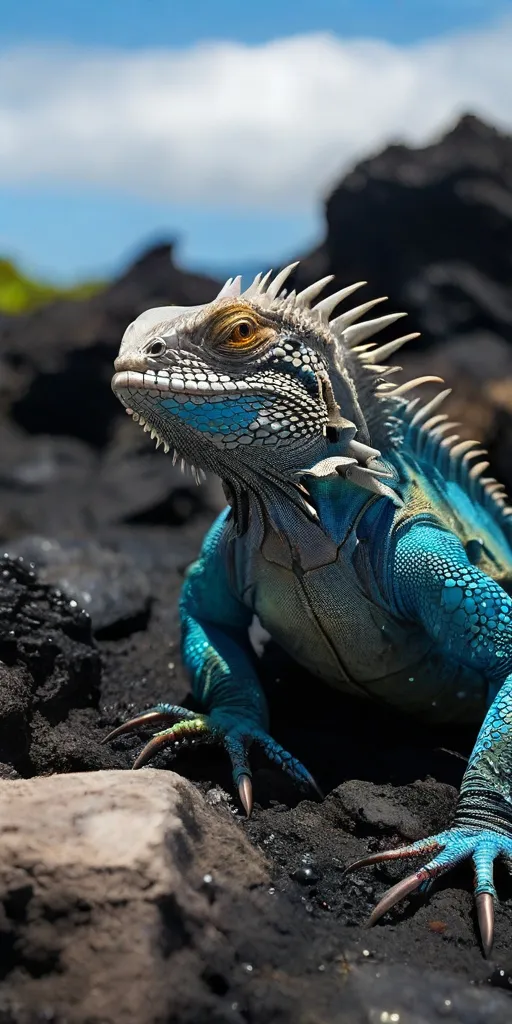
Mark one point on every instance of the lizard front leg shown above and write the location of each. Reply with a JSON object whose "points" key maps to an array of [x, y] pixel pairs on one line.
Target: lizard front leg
{"points": [[470, 616], [215, 649]]}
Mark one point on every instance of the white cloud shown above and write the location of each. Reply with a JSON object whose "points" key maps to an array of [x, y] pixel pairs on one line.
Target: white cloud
{"points": [[226, 123]]}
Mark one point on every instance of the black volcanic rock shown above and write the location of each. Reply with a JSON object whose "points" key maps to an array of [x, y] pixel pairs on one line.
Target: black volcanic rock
{"points": [[67, 450], [56, 362], [431, 228], [48, 663]]}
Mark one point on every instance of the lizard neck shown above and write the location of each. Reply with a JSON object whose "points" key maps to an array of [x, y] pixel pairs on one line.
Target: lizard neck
{"points": [[297, 519]]}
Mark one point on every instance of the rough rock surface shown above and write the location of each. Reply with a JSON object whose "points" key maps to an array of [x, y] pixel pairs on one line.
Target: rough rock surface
{"points": [[108, 584], [48, 665], [130, 898], [111, 880]]}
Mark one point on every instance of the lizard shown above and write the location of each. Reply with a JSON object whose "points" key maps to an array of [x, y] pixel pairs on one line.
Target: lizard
{"points": [[360, 532]]}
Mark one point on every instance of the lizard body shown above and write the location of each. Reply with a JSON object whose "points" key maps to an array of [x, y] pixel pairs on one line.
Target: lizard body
{"points": [[360, 531]]}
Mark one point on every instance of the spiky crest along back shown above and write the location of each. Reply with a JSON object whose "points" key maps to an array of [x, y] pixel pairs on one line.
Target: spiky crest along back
{"points": [[394, 422]]}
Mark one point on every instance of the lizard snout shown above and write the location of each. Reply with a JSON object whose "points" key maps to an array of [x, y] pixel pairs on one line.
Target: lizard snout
{"points": [[131, 361]]}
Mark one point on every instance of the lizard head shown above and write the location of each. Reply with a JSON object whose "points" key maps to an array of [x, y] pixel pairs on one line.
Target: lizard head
{"points": [[253, 385]]}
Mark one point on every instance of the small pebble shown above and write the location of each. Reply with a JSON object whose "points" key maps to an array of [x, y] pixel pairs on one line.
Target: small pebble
{"points": [[305, 876]]}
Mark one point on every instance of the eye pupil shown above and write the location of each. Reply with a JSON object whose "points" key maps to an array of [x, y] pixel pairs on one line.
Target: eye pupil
{"points": [[157, 348], [244, 329]]}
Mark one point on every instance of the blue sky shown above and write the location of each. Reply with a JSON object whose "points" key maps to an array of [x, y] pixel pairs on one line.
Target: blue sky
{"points": [[220, 123], [177, 23]]}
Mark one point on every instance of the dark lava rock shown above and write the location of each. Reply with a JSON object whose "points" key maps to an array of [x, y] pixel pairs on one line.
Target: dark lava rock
{"points": [[69, 458], [108, 584], [48, 663], [57, 361], [59, 485], [429, 227], [432, 229]]}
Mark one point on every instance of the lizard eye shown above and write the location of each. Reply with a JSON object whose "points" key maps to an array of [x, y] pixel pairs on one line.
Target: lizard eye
{"points": [[236, 332], [157, 348], [242, 333]]}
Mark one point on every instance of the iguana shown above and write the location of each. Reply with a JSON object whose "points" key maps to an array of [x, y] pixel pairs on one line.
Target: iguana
{"points": [[359, 529]]}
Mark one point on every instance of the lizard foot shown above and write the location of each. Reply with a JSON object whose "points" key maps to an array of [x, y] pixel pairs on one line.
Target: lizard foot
{"points": [[450, 847], [235, 734]]}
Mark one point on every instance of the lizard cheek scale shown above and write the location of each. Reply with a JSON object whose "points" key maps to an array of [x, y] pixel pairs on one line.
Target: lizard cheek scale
{"points": [[363, 534]]}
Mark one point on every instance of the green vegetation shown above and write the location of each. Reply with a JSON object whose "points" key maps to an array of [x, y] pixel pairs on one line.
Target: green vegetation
{"points": [[20, 294]]}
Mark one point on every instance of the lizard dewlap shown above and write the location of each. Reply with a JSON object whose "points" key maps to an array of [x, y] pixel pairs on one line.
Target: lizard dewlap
{"points": [[360, 530]]}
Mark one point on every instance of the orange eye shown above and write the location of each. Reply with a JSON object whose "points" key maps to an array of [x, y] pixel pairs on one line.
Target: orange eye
{"points": [[243, 333], [235, 330]]}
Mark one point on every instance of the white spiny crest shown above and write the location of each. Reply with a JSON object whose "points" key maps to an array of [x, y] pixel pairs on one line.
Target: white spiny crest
{"points": [[392, 346], [460, 461], [340, 323], [231, 289], [325, 307], [305, 297], [473, 455], [402, 389], [275, 287], [462, 447], [477, 470], [266, 292], [425, 410], [360, 332]]}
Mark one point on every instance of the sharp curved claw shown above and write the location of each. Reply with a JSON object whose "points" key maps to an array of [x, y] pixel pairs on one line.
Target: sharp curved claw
{"points": [[177, 735], [245, 794], [155, 744], [401, 853], [485, 914], [152, 717], [146, 718], [397, 893], [316, 788]]}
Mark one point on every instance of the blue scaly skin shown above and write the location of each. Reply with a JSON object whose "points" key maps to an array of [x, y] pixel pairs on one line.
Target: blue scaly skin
{"points": [[359, 530]]}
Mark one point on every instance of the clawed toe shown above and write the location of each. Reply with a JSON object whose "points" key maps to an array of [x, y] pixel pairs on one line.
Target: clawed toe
{"points": [[154, 716], [236, 734], [177, 735], [396, 893], [245, 794], [400, 853], [452, 847]]}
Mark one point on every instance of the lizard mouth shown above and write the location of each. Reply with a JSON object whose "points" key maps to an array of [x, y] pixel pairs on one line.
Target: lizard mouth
{"points": [[139, 391], [165, 381]]}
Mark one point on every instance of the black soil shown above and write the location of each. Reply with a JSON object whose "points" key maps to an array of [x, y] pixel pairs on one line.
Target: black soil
{"points": [[387, 780]]}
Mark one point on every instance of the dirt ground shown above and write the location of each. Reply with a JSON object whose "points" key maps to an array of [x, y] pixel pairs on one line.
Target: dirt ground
{"points": [[385, 780]]}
